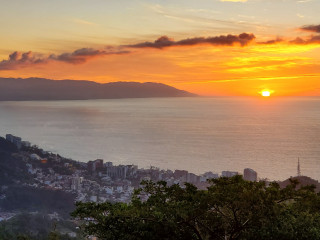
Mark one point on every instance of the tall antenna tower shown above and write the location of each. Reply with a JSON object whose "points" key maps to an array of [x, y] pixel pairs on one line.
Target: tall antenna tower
{"points": [[298, 168]]}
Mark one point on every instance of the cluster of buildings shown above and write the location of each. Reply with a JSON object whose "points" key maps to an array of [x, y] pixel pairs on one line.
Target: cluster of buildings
{"points": [[98, 181]]}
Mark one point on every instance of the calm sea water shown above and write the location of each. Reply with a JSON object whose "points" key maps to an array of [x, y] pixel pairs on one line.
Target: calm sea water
{"points": [[196, 134]]}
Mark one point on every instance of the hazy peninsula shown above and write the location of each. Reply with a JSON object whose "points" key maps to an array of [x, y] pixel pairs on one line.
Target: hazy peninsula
{"points": [[19, 89]]}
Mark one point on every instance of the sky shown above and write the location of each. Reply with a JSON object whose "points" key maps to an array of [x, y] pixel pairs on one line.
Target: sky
{"points": [[208, 47]]}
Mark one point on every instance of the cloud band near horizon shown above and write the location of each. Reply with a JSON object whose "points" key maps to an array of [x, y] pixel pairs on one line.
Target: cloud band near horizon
{"points": [[19, 60]]}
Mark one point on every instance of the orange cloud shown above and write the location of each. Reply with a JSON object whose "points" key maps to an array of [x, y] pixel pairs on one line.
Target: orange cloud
{"points": [[79, 56]]}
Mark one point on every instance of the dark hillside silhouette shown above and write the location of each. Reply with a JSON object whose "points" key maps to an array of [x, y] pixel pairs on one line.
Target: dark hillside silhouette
{"points": [[18, 89]]}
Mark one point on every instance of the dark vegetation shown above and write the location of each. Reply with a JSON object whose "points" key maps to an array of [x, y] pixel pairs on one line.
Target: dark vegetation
{"points": [[20, 198], [45, 89], [13, 175], [12, 168], [34, 226], [37, 199], [230, 208], [302, 181]]}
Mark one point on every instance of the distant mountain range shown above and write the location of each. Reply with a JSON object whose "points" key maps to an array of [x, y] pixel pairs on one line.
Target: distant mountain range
{"points": [[18, 89]]}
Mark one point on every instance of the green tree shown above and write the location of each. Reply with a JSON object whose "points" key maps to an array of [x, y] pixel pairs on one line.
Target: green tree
{"points": [[53, 236], [23, 237], [231, 208]]}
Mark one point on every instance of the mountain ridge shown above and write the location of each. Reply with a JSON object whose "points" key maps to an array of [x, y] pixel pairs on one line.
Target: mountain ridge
{"points": [[33, 89]]}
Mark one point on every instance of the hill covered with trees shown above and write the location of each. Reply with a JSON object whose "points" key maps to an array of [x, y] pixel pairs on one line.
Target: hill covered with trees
{"points": [[230, 208]]}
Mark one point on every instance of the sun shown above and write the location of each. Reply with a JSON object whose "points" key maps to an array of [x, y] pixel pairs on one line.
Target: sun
{"points": [[266, 93]]}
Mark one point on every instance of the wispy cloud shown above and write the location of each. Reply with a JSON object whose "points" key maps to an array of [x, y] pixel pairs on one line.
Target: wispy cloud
{"points": [[310, 40], [300, 15], [304, 1], [82, 22], [255, 79], [200, 16], [313, 39], [233, 0], [272, 41]]}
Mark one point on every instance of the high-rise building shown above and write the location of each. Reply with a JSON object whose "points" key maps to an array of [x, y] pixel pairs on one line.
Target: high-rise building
{"points": [[250, 175], [121, 171], [96, 165]]}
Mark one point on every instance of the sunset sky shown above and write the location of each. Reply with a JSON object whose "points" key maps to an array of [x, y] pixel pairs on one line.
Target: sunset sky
{"points": [[209, 47]]}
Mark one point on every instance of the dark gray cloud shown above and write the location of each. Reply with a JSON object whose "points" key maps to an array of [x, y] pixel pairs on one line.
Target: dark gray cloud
{"points": [[82, 55], [311, 28], [18, 59], [226, 40]]}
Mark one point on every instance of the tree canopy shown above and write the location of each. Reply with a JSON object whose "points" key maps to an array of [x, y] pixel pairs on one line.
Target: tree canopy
{"points": [[231, 208]]}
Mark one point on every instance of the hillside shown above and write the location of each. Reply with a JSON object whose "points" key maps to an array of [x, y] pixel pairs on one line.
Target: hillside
{"points": [[12, 168], [24, 201], [303, 181], [16, 183], [36, 184], [19, 89]]}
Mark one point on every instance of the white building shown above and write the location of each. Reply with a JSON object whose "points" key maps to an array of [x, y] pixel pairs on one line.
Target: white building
{"points": [[35, 157], [76, 183]]}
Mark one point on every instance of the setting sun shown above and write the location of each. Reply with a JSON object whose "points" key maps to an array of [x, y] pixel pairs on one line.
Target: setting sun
{"points": [[265, 93]]}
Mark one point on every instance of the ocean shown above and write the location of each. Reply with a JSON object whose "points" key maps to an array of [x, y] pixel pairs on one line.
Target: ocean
{"points": [[194, 134]]}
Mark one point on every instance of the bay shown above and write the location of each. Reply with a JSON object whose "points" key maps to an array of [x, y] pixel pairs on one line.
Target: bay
{"points": [[195, 134]]}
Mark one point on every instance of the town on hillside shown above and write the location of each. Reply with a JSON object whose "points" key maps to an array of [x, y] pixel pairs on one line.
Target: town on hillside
{"points": [[42, 182], [100, 181]]}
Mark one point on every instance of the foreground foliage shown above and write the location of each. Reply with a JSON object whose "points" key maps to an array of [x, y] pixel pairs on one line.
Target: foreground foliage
{"points": [[230, 208], [35, 226]]}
